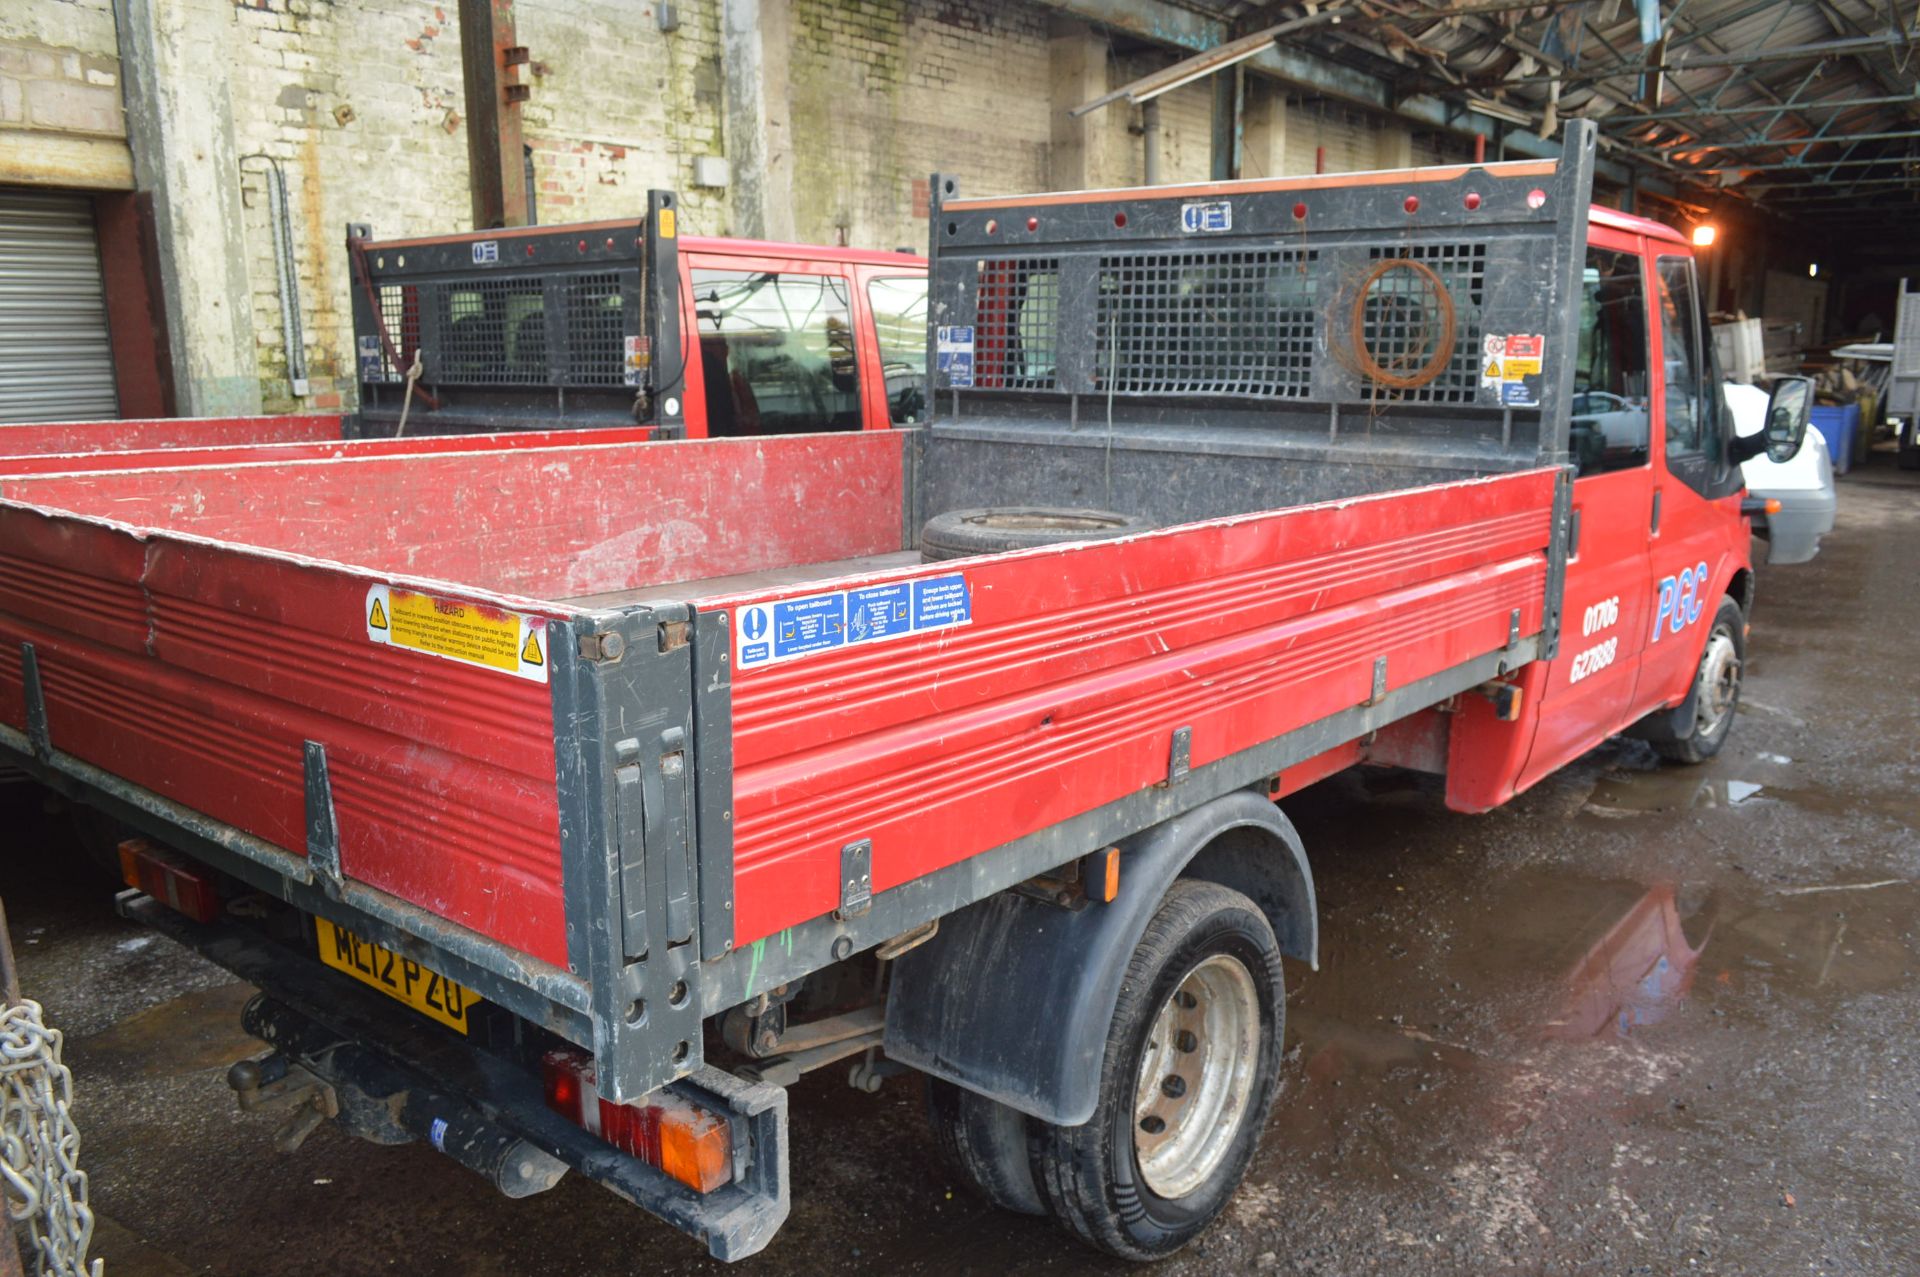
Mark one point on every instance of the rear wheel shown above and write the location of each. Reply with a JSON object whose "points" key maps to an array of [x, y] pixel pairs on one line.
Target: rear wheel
{"points": [[1716, 689], [1191, 1066], [984, 1143]]}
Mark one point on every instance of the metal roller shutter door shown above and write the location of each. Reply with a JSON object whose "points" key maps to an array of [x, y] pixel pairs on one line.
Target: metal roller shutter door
{"points": [[56, 363]]}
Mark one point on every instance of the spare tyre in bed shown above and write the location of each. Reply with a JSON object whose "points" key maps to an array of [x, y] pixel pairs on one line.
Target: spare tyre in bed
{"points": [[959, 534]]}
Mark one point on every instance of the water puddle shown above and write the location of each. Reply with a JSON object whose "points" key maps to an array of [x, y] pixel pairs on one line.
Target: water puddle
{"points": [[195, 1031], [1638, 793], [1400, 1037]]}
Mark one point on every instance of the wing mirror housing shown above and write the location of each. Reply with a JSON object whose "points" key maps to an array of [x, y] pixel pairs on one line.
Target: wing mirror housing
{"points": [[1789, 409]]}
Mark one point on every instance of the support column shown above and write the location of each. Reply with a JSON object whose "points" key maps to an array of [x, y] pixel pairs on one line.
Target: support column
{"points": [[1226, 125], [1077, 62], [184, 161], [1263, 137], [496, 154], [755, 36], [1393, 147]]}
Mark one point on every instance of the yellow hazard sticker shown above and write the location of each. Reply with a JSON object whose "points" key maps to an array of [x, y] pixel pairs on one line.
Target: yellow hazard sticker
{"points": [[458, 630]]}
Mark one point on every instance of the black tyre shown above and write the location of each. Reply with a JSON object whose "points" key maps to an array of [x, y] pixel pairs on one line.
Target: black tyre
{"points": [[960, 534], [984, 1143], [1188, 1078], [1702, 721]]}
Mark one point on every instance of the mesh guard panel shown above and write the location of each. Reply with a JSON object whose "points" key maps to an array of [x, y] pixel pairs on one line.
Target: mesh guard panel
{"points": [[1207, 323]]}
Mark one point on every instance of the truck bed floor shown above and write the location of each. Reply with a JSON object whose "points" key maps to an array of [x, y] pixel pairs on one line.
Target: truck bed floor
{"points": [[742, 582]]}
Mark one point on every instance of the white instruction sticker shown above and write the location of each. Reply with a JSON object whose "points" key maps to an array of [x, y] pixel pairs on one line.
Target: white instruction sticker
{"points": [[767, 633], [953, 355]]}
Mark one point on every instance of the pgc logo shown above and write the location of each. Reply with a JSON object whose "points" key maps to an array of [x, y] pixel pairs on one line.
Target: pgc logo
{"points": [[1679, 603]]}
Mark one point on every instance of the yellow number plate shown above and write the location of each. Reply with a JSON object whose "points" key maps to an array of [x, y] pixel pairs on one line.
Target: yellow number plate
{"points": [[402, 979]]}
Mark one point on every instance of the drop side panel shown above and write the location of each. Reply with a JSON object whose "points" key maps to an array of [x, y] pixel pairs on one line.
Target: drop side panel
{"points": [[1079, 664], [199, 672]]}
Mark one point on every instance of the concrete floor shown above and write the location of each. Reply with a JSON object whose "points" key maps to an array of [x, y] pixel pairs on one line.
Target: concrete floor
{"points": [[1458, 1096]]}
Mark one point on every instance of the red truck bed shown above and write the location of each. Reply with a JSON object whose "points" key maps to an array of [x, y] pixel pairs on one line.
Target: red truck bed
{"points": [[40, 438], [73, 447], [194, 627]]}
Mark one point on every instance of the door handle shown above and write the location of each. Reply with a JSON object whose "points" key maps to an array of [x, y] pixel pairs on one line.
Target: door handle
{"points": [[1653, 529]]}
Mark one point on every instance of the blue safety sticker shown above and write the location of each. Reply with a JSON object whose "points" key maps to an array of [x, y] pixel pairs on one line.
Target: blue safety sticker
{"points": [[437, 1134], [1206, 219], [953, 355], [766, 633]]}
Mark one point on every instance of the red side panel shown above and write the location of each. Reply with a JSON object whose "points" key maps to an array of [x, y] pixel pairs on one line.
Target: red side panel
{"points": [[200, 671], [236, 454], [551, 523], [164, 432], [1063, 691]]}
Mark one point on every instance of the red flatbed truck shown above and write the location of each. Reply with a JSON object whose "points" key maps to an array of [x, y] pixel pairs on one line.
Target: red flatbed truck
{"points": [[651, 776]]}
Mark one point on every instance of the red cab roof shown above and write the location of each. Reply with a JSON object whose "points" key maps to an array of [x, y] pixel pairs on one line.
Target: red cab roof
{"points": [[800, 252], [1619, 221]]}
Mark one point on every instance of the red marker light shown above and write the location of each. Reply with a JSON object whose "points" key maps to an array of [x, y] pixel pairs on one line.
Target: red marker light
{"points": [[1119, 219], [1299, 212], [1472, 201], [1033, 223], [1536, 197]]}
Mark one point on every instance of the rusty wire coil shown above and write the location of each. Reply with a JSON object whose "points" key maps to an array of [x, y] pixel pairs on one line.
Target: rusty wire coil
{"points": [[1391, 374]]}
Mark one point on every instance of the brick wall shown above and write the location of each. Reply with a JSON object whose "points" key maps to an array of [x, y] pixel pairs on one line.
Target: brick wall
{"points": [[360, 104], [619, 107], [61, 120], [886, 93]]}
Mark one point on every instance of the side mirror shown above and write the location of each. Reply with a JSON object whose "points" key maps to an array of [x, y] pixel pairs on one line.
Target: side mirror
{"points": [[1789, 409]]}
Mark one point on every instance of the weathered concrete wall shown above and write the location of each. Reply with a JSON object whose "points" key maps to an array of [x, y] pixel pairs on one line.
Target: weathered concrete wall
{"points": [[61, 122], [831, 113], [884, 94], [361, 106]]}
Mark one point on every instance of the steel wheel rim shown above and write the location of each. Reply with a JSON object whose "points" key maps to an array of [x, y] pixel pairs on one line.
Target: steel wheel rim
{"points": [[1719, 681], [1196, 1076]]}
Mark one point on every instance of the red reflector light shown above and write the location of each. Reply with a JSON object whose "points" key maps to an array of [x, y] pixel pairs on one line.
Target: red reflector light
{"points": [[168, 878], [689, 1143]]}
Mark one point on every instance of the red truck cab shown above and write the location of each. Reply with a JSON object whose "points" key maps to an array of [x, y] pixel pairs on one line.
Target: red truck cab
{"points": [[796, 338], [623, 323], [1657, 539]]}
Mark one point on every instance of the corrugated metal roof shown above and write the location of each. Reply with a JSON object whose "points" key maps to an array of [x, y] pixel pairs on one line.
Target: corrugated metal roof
{"points": [[1807, 105]]}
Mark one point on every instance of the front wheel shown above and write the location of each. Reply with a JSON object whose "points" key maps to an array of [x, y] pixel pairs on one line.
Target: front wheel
{"points": [[1188, 1077], [1716, 689]]}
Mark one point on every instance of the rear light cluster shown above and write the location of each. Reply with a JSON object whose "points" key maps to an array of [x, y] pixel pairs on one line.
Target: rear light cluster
{"points": [[673, 1135], [168, 878]]}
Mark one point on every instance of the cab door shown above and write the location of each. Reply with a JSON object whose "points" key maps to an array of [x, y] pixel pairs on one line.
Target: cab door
{"points": [[774, 348], [895, 304], [1696, 536], [1588, 692]]}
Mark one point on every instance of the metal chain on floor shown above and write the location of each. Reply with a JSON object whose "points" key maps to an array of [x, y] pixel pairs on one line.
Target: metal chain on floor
{"points": [[39, 1144]]}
